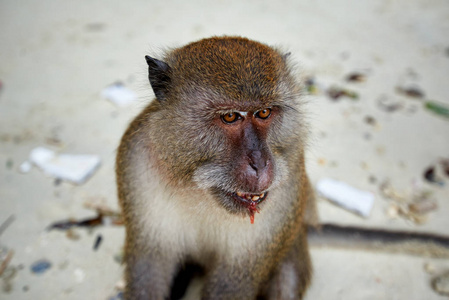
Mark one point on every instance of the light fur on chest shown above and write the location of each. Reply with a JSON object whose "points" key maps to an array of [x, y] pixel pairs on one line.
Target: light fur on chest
{"points": [[193, 223]]}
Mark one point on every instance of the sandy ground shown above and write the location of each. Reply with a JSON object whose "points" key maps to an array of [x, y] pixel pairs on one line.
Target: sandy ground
{"points": [[56, 57]]}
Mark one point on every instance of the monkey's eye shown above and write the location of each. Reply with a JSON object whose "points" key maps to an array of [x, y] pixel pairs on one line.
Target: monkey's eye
{"points": [[230, 117], [264, 113]]}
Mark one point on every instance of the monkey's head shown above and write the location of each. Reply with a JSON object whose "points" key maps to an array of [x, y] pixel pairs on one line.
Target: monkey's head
{"points": [[227, 121]]}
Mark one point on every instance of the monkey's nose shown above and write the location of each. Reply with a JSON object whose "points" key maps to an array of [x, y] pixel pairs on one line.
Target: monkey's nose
{"points": [[259, 171], [256, 161]]}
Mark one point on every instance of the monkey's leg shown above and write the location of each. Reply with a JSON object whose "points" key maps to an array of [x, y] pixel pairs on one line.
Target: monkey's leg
{"points": [[230, 283], [148, 275], [293, 275]]}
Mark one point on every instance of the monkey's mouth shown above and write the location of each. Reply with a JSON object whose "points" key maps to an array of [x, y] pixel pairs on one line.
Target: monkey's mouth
{"points": [[240, 203], [250, 201]]}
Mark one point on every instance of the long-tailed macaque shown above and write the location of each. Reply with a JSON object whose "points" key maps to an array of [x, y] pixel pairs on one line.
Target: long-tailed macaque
{"points": [[212, 174]]}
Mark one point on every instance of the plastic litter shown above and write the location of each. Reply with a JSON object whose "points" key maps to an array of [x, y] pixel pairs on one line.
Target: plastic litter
{"points": [[70, 167], [346, 196], [437, 108], [118, 94]]}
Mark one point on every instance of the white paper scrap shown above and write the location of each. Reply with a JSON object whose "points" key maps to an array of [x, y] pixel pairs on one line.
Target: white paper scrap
{"points": [[74, 168], [358, 201], [119, 94]]}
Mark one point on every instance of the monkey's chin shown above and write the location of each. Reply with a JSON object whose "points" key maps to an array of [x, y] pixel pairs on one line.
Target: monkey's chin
{"points": [[246, 204]]}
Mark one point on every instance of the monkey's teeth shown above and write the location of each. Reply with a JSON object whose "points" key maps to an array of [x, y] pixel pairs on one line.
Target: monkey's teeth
{"points": [[250, 197]]}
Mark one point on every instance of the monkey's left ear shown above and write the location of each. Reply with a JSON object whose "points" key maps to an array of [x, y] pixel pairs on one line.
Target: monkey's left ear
{"points": [[159, 76]]}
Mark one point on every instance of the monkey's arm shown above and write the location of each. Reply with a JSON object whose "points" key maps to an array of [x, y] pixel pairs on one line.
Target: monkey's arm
{"points": [[149, 270], [423, 244], [149, 276], [149, 267]]}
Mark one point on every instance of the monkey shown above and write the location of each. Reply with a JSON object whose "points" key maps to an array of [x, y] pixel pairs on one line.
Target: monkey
{"points": [[212, 182], [212, 174]]}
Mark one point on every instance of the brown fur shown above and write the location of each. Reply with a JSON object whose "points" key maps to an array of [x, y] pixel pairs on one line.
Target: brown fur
{"points": [[177, 161]]}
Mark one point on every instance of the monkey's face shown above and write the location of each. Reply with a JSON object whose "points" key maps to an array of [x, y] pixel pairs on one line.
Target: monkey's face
{"points": [[250, 166], [231, 108], [249, 160], [243, 148]]}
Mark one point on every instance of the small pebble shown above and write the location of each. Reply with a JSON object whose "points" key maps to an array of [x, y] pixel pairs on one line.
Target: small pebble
{"points": [[445, 165], [431, 176], [79, 275], [356, 77], [25, 167], [40, 266], [118, 258], [370, 120], [72, 235], [441, 284], [429, 268], [412, 92], [119, 296], [321, 161], [372, 179], [95, 26], [97, 242], [120, 285], [393, 211], [9, 164]]}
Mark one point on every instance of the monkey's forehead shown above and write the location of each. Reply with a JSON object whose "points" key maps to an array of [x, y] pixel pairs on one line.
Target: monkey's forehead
{"points": [[235, 56], [221, 45], [230, 65]]}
